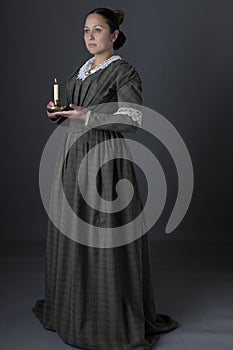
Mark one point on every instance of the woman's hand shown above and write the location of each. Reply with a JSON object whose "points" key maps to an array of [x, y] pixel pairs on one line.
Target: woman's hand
{"points": [[50, 104], [77, 112]]}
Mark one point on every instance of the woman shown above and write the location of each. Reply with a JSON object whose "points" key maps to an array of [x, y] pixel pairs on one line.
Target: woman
{"points": [[100, 298]]}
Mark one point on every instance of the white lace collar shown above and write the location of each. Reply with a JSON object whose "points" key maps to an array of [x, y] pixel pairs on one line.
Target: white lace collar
{"points": [[85, 70]]}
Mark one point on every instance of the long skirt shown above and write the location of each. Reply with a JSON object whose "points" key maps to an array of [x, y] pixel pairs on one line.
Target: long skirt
{"points": [[98, 294]]}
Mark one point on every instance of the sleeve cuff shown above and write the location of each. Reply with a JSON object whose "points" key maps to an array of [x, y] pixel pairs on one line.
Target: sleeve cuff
{"points": [[87, 117]]}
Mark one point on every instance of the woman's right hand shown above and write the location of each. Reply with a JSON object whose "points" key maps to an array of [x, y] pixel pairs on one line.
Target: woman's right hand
{"points": [[50, 104]]}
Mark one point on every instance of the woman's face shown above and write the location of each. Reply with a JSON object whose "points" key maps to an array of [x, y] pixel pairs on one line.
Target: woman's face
{"points": [[97, 35]]}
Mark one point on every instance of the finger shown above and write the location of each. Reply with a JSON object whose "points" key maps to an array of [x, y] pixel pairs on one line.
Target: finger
{"points": [[55, 114], [50, 104], [77, 108], [64, 113], [52, 115]]}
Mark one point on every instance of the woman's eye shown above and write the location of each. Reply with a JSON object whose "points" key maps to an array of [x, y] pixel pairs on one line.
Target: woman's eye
{"points": [[96, 30]]}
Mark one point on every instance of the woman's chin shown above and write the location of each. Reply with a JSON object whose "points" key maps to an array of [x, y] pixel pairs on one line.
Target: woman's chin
{"points": [[92, 48]]}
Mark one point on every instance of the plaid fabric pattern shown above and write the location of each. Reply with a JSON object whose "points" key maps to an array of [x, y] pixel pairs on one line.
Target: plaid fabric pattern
{"points": [[96, 298]]}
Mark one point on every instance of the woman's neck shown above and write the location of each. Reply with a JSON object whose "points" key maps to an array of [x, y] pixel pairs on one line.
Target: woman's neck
{"points": [[98, 59]]}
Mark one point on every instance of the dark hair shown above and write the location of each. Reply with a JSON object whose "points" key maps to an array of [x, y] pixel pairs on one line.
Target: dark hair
{"points": [[114, 19]]}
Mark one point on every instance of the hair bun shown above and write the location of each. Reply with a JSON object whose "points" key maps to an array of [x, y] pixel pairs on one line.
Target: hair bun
{"points": [[120, 15]]}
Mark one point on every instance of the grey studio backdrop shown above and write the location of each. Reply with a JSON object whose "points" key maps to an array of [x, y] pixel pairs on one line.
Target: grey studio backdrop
{"points": [[183, 51]]}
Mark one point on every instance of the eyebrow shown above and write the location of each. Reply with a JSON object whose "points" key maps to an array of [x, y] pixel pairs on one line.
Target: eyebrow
{"points": [[94, 25]]}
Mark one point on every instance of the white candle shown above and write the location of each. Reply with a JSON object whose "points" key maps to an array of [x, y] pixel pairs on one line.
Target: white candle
{"points": [[56, 92]]}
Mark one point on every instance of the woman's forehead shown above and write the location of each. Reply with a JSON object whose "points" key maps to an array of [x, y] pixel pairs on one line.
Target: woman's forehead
{"points": [[95, 19]]}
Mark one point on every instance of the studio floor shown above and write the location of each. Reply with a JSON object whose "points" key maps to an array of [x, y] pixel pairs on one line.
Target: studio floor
{"points": [[193, 282]]}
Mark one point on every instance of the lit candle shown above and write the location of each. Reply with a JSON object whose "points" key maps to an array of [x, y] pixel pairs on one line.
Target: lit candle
{"points": [[56, 92]]}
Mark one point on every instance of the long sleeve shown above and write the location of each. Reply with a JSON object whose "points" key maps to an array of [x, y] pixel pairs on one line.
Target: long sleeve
{"points": [[129, 97], [122, 90]]}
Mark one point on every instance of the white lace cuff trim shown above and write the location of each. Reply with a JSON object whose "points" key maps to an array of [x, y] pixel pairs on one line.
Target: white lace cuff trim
{"points": [[135, 114], [87, 117]]}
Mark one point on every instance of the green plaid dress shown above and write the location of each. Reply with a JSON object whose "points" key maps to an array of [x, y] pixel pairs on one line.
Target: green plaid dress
{"points": [[100, 298]]}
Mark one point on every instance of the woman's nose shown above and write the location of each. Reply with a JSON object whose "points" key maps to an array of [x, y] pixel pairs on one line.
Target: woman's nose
{"points": [[91, 36]]}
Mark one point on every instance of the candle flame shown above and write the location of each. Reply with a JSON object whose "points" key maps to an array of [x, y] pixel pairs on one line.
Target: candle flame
{"points": [[55, 81]]}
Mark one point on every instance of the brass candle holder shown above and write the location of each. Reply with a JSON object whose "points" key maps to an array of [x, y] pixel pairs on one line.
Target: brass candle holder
{"points": [[57, 107]]}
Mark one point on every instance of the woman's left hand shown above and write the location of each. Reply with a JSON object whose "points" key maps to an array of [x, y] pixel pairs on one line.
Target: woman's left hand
{"points": [[77, 112]]}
